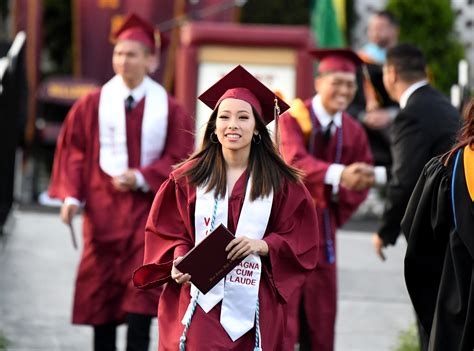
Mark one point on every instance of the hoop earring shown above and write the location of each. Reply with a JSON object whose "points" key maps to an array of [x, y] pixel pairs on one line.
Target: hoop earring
{"points": [[255, 140], [214, 140]]}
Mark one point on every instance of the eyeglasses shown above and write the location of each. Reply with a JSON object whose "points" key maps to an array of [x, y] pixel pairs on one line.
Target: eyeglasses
{"points": [[339, 83]]}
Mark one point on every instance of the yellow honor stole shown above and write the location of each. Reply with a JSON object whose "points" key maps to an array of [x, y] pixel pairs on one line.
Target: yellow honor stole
{"points": [[469, 170], [301, 113]]}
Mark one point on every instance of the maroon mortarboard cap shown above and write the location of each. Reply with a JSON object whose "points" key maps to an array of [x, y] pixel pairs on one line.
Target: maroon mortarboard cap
{"points": [[240, 84], [136, 28], [336, 60]]}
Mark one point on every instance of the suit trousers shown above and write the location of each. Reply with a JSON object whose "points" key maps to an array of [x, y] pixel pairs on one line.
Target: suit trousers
{"points": [[138, 334]]}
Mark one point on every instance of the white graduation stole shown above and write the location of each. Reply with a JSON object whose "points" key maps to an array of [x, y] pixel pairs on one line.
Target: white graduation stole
{"points": [[113, 158], [239, 289]]}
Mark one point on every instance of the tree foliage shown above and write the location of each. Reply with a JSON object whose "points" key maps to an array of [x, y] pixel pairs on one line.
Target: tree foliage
{"points": [[3, 342], [294, 12], [429, 24]]}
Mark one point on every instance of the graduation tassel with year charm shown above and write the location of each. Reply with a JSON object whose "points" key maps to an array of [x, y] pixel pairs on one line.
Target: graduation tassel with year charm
{"points": [[276, 117]]}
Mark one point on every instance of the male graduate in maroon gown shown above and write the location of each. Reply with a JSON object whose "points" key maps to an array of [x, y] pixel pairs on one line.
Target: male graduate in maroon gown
{"points": [[117, 146], [331, 148]]}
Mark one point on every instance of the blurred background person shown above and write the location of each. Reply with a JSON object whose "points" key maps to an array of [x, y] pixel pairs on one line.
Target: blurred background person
{"points": [[382, 34], [324, 141], [13, 101], [116, 147], [372, 105]]}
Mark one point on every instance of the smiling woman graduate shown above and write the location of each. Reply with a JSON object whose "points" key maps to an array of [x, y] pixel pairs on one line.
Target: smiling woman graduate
{"points": [[237, 178]]}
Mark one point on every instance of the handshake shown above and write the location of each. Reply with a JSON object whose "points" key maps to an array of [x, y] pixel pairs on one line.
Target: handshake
{"points": [[358, 176]]}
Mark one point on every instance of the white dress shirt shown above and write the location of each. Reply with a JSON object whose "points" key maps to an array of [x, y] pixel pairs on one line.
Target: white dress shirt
{"points": [[411, 89], [136, 93], [333, 174]]}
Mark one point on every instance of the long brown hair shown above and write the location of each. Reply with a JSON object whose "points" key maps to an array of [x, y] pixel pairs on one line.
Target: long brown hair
{"points": [[466, 136], [265, 163]]}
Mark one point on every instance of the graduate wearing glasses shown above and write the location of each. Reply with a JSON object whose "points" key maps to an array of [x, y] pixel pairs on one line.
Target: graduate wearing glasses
{"points": [[331, 148]]}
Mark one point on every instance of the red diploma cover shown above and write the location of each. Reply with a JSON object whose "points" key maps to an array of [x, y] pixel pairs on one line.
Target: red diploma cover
{"points": [[207, 262]]}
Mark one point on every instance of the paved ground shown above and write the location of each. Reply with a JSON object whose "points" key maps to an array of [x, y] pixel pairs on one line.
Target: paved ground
{"points": [[38, 263]]}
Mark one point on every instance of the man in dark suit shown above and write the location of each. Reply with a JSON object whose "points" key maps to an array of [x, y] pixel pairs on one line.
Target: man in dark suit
{"points": [[426, 126]]}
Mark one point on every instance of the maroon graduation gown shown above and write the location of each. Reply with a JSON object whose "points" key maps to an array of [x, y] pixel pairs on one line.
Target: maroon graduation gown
{"points": [[320, 291], [292, 243], [114, 221]]}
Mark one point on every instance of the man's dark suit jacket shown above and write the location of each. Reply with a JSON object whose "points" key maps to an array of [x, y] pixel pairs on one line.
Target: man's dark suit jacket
{"points": [[426, 127], [379, 139]]}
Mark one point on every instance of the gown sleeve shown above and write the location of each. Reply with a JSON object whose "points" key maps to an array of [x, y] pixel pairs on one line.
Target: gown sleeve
{"points": [[349, 200], [167, 235], [427, 224], [70, 154], [292, 240], [179, 144], [294, 150]]}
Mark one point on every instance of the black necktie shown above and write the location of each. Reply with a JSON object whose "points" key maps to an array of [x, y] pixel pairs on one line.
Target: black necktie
{"points": [[327, 133], [129, 103]]}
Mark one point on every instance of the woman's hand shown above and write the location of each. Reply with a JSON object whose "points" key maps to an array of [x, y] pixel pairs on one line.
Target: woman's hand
{"points": [[243, 246], [176, 275]]}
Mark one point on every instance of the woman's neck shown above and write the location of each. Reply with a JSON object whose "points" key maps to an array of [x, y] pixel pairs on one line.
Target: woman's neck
{"points": [[236, 164], [236, 160]]}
